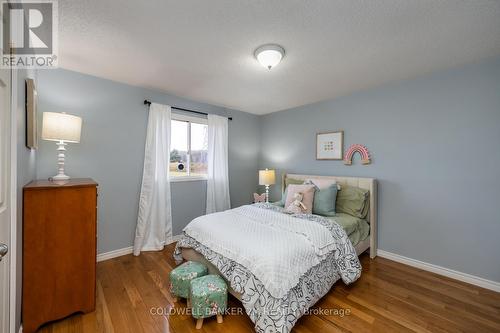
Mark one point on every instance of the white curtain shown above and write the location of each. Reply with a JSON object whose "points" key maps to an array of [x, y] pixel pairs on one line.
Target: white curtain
{"points": [[154, 222], [218, 179]]}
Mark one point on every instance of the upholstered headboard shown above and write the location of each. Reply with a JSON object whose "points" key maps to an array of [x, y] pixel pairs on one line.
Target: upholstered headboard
{"points": [[364, 183]]}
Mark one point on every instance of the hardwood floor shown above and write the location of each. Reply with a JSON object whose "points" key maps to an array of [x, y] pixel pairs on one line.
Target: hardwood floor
{"points": [[133, 291]]}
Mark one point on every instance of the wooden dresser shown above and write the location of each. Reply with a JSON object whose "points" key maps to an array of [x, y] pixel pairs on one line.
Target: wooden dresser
{"points": [[59, 250]]}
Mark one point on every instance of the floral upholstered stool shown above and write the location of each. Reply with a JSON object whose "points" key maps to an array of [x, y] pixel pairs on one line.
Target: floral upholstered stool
{"points": [[181, 276], [208, 298]]}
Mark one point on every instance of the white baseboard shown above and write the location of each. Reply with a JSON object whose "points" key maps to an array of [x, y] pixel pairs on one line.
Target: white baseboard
{"points": [[464, 277], [126, 250], [114, 253]]}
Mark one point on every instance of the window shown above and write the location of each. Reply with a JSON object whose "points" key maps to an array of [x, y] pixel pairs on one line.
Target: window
{"points": [[189, 148]]}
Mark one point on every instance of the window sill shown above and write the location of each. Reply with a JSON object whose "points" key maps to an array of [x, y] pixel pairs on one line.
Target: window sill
{"points": [[187, 179]]}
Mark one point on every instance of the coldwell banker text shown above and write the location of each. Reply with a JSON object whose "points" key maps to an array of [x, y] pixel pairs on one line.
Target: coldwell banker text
{"points": [[29, 34]]}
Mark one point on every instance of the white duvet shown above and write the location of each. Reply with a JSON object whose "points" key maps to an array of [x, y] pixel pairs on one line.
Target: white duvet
{"points": [[277, 248]]}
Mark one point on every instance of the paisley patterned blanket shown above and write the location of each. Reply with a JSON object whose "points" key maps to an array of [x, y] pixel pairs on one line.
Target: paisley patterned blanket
{"points": [[273, 312]]}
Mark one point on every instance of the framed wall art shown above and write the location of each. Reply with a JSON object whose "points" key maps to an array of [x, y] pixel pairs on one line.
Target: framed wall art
{"points": [[330, 145], [31, 115]]}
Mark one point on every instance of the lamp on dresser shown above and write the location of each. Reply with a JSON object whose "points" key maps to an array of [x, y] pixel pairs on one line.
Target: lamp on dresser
{"points": [[62, 128], [267, 177]]}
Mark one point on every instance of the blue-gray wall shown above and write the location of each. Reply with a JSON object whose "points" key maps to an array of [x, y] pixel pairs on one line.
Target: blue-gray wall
{"points": [[434, 142], [112, 150], [26, 172]]}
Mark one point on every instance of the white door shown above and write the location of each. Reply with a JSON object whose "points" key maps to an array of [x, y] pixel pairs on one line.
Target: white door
{"points": [[5, 218]]}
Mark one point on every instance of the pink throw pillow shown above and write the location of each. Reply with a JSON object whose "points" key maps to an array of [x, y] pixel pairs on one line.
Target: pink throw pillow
{"points": [[306, 190]]}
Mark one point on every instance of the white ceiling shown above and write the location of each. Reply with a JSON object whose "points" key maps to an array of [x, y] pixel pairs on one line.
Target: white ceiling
{"points": [[203, 50]]}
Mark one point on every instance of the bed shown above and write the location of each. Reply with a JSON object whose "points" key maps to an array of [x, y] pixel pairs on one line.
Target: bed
{"points": [[273, 300], [369, 184]]}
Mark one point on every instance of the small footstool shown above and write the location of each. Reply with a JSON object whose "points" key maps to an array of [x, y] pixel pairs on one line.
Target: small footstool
{"points": [[208, 298], [181, 276]]}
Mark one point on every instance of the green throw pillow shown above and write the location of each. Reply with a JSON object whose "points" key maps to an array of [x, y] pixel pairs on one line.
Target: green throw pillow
{"points": [[353, 201]]}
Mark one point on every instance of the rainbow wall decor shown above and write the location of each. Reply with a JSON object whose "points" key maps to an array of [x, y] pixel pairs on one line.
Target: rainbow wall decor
{"points": [[356, 148]]}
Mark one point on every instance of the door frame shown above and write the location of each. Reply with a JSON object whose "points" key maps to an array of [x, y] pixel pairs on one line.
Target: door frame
{"points": [[13, 200]]}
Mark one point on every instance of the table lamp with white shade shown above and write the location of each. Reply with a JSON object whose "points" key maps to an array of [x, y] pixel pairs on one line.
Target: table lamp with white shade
{"points": [[62, 128], [267, 177]]}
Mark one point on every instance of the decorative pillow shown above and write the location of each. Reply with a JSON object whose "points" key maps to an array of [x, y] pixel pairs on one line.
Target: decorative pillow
{"points": [[324, 199], [294, 181], [306, 190], [288, 181], [353, 201]]}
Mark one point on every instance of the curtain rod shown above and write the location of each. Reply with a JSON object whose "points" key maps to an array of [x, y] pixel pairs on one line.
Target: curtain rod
{"points": [[146, 102]]}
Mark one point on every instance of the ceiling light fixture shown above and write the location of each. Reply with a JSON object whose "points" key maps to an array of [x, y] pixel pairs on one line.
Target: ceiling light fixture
{"points": [[269, 55]]}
